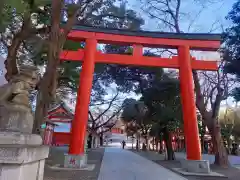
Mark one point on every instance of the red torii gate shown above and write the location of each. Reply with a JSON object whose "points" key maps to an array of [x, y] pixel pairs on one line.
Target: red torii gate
{"points": [[183, 42]]}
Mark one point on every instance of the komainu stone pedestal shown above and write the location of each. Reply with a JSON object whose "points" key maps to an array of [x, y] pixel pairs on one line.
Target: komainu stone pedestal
{"points": [[201, 166], [196, 168], [22, 157], [75, 161]]}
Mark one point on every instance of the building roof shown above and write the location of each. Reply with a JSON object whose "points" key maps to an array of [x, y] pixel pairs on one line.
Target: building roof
{"points": [[58, 106], [60, 113]]}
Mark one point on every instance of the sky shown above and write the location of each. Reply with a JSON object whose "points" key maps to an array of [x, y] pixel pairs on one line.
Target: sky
{"points": [[212, 17], [208, 16]]}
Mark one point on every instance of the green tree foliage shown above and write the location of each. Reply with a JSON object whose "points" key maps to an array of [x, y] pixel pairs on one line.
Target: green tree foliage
{"points": [[23, 25], [109, 16], [158, 111], [60, 10], [135, 114], [136, 117], [232, 46], [163, 102], [128, 78], [7, 10], [230, 123], [226, 119]]}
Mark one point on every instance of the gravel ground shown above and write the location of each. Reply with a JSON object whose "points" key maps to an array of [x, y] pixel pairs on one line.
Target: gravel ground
{"points": [[56, 157], [231, 173]]}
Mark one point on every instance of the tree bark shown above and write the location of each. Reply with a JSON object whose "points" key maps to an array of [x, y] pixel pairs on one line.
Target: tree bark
{"points": [[138, 141], [221, 155], [202, 143], [47, 83], [90, 141], [39, 118], [132, 143], [56, 41], [11, 60], [202, 137], [153, 143], [229, 143], [156, 143], [101, 139], [146, 141], [160, 150], [168, 139], [210, 119]]}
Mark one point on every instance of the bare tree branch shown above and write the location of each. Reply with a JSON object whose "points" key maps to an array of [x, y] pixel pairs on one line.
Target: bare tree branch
{"points": [[109, 106]]}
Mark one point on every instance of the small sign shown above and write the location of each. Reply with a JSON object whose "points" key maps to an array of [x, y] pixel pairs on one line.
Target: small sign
{"points": [[72, 161]]}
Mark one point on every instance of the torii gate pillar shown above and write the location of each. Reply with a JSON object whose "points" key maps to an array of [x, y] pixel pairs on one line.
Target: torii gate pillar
{"points": [[193, 147], [79, 124], [77, 157]]}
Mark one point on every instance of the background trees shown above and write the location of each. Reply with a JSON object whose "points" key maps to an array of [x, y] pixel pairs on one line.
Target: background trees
{"points": [[169, 14], [158, 113], [232, 47], [163, 102], [135, 116]]}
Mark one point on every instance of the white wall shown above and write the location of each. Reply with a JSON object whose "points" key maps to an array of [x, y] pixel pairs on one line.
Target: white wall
{"points": [[2, 71]]}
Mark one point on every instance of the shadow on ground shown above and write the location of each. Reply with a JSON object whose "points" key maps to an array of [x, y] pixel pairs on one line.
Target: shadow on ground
{"points": [[56, 156], [231, 173]]}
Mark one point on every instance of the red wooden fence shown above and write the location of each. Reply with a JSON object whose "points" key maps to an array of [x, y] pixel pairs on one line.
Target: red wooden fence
{"points": [[61, 138]]}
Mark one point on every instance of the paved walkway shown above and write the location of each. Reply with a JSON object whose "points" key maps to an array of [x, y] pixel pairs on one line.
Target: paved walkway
{"points": [[121, 164]]}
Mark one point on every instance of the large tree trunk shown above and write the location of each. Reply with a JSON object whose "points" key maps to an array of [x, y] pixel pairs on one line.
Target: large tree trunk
{"points": [[138, 141], [221, 155], [210, 119], [101, 139], [46, 95], [168, 140], [11, 60], [160, 150], [132, 143], [47, 84], [56, 41], [202, 139], [229, 144], [146, 142], [153, 143], [39, 118], [157, 145], [89, 141]]}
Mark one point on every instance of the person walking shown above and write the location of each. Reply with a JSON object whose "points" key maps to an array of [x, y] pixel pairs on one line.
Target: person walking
{"points": [[123, 144]]}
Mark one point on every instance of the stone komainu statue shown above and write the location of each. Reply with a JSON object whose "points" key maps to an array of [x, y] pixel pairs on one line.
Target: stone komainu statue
{"points": [[15, 110]]}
